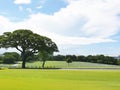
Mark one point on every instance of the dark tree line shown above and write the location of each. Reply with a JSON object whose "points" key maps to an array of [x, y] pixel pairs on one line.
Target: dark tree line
{"points": [[13, 57], [90, 58]]}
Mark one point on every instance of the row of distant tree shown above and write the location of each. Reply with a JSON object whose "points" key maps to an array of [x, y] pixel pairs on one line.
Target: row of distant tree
{"points": [[90, 58], [13, 57]]}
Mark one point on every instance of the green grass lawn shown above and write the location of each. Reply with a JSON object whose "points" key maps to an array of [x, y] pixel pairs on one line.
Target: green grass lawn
{"points": [[63, 64], [36, 79]]}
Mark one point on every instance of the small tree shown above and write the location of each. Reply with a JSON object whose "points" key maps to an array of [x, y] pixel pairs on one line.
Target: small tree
{"points": [[68, 60], [44, 55]]}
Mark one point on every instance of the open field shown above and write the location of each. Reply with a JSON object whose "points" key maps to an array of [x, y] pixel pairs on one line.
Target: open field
{"points": [[35, 79], [63, 64]]}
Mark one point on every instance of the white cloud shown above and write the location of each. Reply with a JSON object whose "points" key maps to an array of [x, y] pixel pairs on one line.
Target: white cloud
{"points": [[100, 17], [5, 25], [71, 1], [20, 8], [82, 22], [65, 40], [22, 1]]}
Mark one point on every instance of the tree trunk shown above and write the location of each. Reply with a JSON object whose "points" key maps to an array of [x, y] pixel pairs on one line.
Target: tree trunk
{"points": [[23, 64], [43, 64], [23, 60]]}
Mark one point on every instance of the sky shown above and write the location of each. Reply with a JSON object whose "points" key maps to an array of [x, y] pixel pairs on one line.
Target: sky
{"points": [[80, 27]]}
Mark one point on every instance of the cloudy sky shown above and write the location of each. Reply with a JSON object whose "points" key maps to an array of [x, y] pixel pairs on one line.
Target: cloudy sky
{"points": [[80, 27]]}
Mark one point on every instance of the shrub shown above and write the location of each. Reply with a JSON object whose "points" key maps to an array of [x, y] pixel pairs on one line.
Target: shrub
{"points": [[8, 59]]}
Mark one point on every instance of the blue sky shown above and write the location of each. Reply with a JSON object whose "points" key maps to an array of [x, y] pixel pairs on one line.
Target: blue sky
{"points": [[17, 10], [80, 27]]}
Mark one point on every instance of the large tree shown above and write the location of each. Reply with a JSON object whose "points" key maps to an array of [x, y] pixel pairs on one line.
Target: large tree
{"points": [[26, 41]]}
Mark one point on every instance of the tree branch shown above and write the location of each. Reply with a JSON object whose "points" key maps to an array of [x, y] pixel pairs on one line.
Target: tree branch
{"points": [[18, 49]]}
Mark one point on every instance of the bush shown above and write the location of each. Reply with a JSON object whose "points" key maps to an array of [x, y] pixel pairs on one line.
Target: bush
{"points": [[9, 59]]}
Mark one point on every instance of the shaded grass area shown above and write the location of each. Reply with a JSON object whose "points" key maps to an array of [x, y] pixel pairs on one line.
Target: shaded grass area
{"points": [[59, 79]]}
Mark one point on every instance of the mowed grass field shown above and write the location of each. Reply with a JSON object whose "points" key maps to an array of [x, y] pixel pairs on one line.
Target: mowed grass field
{"points": [[63, 64], [37, 79]]}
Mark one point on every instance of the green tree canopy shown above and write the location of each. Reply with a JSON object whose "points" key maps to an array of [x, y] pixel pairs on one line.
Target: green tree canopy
{"points": [[26, 41]]}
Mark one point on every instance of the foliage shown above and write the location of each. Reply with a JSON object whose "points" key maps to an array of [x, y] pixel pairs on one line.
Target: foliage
{"points": [[43, 56], [27, 42], [10, 57], [14, 54], [1, 59], [81, 58], [90, 58], [68, 60], [59, 57]]}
